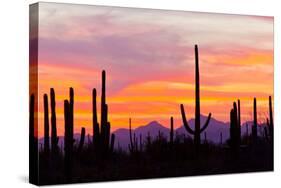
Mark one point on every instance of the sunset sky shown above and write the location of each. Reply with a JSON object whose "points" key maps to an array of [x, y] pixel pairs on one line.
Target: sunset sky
{"points": [[148, 56]]}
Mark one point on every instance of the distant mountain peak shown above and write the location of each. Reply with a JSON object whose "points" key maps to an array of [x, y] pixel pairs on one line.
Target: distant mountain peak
{"points": [[153, 123]]}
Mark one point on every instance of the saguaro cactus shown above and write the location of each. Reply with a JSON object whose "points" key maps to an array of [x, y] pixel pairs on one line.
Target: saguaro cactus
{"points": [[239, 121], [68, 133], [270, 121], [133, 146], [105, 125], [101, 133], [198, 130], [96, 131], [46, 125], [255, 123], [33, 142], [235, 137], [54, 137], [172, 130], [82, 139], [68, 140], [71, 110], [103, 107]]}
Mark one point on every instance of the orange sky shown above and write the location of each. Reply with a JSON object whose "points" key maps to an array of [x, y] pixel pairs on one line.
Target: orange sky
{"points": [[150, 62]]}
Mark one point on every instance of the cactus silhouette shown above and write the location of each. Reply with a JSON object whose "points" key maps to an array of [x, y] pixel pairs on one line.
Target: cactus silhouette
{"points": [[198, 130], [239, 121], [103, 108], [68, 140], [270, 121], [33, 143], [54, 137], [82, 139], [71, 110], [101, 133], [255, 123], [153, 155], [96, 131], [105, 125], [46, 125], [234, 129], [68, 134], [172, 130], [133, 146]]}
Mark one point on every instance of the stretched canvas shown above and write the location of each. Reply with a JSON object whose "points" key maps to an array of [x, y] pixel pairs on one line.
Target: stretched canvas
{"points": [[129, 93]]}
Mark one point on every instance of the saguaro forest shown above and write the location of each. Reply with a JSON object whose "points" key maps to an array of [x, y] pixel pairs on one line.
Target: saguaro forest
{"points": [[117, 95]]}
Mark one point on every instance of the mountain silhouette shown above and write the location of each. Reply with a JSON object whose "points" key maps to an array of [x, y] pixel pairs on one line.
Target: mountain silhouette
{"points": [[153, 128], [212, 132]]}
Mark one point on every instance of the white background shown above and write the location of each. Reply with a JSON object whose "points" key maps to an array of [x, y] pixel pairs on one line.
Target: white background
{"points": [[14, 92]]}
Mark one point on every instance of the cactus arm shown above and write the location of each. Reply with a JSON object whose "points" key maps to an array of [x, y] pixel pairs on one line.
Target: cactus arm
{"points": [[206, 123], [270, 111], [186, 126], [131, 145]]}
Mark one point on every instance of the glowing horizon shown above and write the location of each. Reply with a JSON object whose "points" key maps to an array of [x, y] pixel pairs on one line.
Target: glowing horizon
{"points": [[149, 63]]}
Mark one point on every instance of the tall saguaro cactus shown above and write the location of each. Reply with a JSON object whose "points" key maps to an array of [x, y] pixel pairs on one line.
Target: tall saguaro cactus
{"points": [[235, 136], [103, 107], [68, 134], [68, 140], [101, 132], [255, 123], [239, 120], [46, 125], [96, 131], [54, 137], [198, 129], [105, 125], [71, 110], [270, 121], [133, 146], [33, 142], [172, 130]]}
